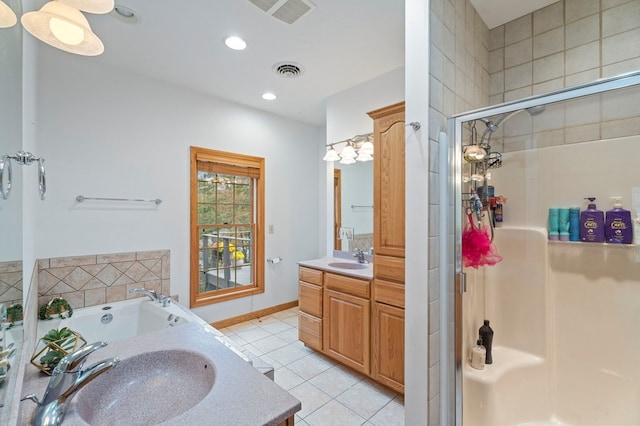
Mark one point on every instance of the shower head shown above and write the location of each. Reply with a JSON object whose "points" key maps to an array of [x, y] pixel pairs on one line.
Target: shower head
{"points": [[492, 126]]}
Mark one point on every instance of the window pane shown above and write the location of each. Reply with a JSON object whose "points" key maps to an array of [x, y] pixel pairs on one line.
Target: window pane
{"points": [[225, 253]]}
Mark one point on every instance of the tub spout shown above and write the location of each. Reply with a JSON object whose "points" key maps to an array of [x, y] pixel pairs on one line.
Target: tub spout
{"points": [[151, 294], [67, 379]]}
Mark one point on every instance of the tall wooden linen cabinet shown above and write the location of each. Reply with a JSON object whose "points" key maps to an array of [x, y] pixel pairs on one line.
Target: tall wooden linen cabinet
{"points": [[387, 320]]}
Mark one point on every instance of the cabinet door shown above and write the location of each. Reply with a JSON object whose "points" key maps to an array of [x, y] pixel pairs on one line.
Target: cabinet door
{"points": [[310, 330], [388, 346], [389, 180], [346, 329]]}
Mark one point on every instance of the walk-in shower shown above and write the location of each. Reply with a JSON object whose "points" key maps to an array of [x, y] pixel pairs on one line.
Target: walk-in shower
{"points": [[565, 315]]}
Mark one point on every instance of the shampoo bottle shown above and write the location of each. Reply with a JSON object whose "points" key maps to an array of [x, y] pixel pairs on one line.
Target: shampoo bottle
{"points": [[592, 223], [486, 334], [618, 228]]}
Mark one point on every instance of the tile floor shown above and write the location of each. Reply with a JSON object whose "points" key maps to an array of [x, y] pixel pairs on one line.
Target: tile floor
{"points": [[331, 394]]}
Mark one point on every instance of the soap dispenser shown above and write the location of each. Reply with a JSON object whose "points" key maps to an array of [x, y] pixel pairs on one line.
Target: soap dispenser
{"points": [[592, 223], [618, 227], [486, 335], [478, 355]]}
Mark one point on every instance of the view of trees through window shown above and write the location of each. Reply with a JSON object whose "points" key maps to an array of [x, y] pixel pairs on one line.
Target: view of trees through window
{"points": [[226, 225]]}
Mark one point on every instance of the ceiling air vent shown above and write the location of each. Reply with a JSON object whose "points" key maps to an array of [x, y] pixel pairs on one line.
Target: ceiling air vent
{"points": [[288, 69], [288, 11]]}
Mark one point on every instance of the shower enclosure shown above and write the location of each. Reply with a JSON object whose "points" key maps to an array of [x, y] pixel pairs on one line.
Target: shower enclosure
{"points": [[565, 314]]}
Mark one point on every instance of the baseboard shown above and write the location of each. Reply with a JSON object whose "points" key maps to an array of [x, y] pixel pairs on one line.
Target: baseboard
{"points": [[253, 315]]}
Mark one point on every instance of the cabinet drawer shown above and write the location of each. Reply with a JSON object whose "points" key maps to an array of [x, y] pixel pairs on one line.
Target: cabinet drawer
{"points": [[389, 292], [310, 298], [390, 268], [309, 275], [347, 285], [310, 330]]}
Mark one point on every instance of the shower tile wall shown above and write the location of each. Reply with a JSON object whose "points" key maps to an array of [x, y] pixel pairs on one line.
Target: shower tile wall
{"points": [[11, 282], [458, 82], [567, 43], [96, 279]]}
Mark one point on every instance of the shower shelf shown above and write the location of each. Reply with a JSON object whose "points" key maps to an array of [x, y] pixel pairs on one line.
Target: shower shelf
{"points": [[582, 243], [505, 360]]}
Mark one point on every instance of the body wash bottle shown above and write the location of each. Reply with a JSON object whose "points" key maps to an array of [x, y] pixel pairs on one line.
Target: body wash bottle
{"points": [[592, 223], [618, 228]]}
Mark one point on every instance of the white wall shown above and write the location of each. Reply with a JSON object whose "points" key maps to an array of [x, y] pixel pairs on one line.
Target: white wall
{"points": [[347, 110], [108, 133]]}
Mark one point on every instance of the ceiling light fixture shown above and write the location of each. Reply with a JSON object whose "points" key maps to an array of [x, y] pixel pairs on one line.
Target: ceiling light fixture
{"points": [[235, 43], [8, 17], [268, 96], [91, 6], [64, 27]]}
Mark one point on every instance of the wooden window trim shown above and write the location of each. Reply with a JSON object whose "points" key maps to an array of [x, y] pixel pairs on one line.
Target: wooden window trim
{"points": [[236, 163]]}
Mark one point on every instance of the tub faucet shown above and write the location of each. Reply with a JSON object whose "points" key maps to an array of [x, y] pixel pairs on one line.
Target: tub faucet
{"points": [[359, 254], [153, 295], [67, 379]]}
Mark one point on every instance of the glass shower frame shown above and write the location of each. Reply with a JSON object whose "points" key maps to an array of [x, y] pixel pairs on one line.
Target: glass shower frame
{"points": [[452, 277]]}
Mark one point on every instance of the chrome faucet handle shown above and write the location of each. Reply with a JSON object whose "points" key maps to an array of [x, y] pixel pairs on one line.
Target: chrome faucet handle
{"points": [[75, 360]]}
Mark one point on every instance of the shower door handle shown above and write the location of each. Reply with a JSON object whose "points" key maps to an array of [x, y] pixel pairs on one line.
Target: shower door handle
{"points": [[462, 282]]}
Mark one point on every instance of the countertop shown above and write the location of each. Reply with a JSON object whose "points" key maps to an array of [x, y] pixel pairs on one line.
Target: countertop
{"points": [[323, 263], [241, 395]]}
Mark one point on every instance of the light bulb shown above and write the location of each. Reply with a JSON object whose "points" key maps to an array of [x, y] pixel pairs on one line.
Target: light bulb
{"points": [[66, 32], [348, 152], [331, 155], [366, 148]]}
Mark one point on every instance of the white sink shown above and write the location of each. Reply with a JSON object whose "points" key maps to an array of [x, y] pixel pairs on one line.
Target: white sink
{"points": [[146, 389], [348, 265]]}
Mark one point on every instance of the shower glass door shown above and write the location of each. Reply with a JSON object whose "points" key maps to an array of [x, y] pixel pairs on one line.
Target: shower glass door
{"points": [[564, 313]]}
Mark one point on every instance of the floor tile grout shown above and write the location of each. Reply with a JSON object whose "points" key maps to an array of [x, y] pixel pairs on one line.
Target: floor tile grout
{"points": [[312, 364]]}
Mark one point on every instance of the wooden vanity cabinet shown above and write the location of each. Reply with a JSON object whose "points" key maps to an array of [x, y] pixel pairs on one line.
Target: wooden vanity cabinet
{"points": [[310, 306], [346, 322], [387, 322]]}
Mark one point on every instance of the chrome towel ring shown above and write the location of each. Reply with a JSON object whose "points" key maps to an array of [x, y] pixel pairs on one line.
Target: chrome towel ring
{"points": [[24, 159]]}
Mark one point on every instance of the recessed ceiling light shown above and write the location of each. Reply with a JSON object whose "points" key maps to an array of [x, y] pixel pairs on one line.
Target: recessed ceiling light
{"points": [[125, 14], [235, 43], [268, 96]]}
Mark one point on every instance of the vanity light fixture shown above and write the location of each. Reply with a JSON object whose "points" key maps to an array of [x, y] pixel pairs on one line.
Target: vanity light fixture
{"points": [[268, 96], [235, 43], [358, 148], [8, 17], [331, 155]]}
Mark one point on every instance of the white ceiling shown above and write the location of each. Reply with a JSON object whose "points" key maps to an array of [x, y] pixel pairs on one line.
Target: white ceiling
{"points": [[340, 44]]}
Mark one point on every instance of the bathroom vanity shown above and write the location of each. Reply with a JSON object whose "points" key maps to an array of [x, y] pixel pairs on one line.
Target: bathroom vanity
{"points": [[346, 316]]}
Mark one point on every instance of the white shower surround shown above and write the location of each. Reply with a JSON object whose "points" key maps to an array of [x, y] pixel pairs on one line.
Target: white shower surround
{"points": [[565, 315]]}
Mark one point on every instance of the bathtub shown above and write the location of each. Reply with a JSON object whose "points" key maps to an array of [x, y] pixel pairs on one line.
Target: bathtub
{"points": [[127, 319], [121, 320]]}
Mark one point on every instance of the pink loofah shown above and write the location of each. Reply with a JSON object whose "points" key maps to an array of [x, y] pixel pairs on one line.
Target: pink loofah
{"points": [[477, 248]]}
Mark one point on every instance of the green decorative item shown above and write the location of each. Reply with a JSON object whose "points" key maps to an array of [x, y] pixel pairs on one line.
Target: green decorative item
{"points": [[53, 346], [56, 306], [15, 314]]}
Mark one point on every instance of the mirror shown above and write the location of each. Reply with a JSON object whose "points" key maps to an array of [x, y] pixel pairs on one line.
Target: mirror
{"points": [[354, 185], [11, 209]]}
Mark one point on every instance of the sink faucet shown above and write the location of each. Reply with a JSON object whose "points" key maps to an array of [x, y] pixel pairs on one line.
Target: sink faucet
{"points": [[359, 255], [67, 378], [153, 295]]}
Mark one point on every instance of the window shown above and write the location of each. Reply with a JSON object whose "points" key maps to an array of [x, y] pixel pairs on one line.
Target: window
{"points": [[227, 226]]}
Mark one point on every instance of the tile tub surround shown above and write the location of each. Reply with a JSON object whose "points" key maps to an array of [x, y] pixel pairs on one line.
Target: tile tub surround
{"points": [[11, 282], [240, 394], [103, 278]]}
